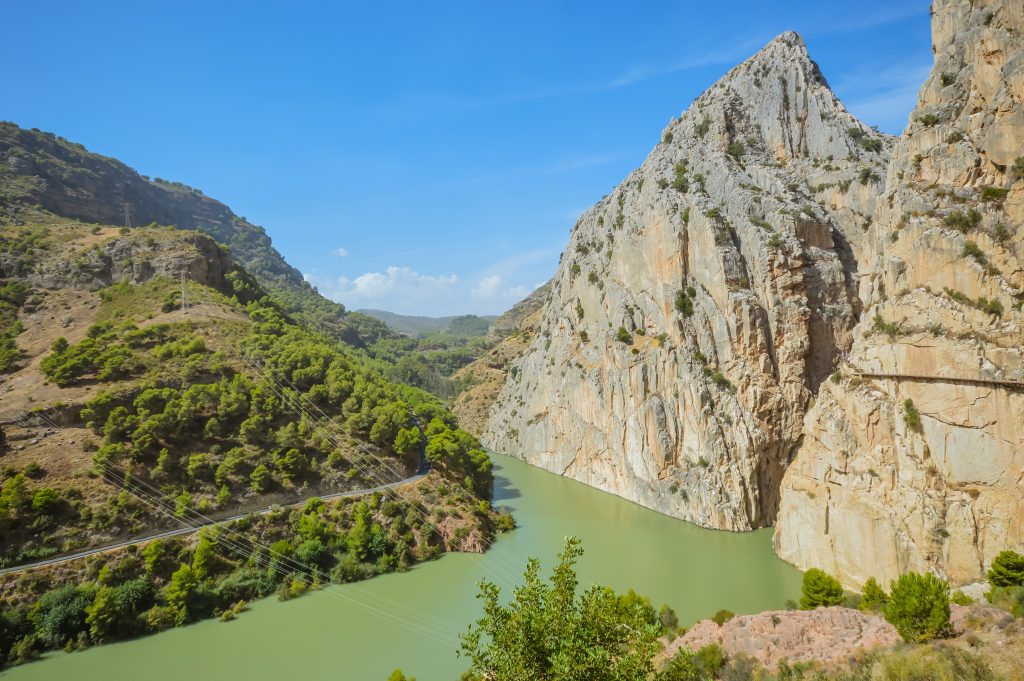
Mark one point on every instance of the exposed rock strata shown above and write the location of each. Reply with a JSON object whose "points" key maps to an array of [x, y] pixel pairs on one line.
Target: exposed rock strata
{"points": [[753, 206], [872, 493]]}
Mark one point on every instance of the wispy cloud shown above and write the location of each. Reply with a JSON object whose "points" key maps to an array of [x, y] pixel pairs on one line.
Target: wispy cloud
{"points": [[396, 287], [884, 95], [736, 51], [341, 252], [405, 290], [865, 20]]}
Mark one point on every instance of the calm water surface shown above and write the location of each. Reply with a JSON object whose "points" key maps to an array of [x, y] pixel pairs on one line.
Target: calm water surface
{"points": [[327, 635]]}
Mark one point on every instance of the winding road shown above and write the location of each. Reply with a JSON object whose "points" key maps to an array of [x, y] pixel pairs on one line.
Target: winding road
{"points": [[195, 527]]}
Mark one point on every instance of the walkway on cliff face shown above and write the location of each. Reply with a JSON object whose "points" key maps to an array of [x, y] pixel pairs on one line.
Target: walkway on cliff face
{"points": [[1012, 385]]}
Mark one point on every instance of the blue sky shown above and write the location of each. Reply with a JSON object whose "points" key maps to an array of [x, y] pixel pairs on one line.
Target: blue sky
{"points": [[425, 158]]}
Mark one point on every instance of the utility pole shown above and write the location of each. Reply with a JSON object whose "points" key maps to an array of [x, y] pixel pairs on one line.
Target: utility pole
{"points": [[184, 299], [127, 215]]}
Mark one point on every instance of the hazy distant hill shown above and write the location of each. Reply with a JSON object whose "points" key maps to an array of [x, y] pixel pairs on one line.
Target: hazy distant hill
{"points": [[463, 325]]}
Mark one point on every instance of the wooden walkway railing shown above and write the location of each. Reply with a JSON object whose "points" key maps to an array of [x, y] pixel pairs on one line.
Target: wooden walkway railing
{"points": [[1011, 385]]}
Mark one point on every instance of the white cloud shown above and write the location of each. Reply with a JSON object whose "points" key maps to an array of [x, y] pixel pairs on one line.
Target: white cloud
{"points": [[400, 289], [495, 289], [342, 252]]}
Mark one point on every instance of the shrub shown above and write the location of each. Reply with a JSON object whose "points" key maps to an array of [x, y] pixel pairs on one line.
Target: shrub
{"points": [[867, 175], [820, 589], [879, 324], [911, 415], [666, 138], [735, 149], [623, 336], [960, 598], [928, 119], [1018, 167], [919, 607], [702, 128], [963, 221], [994, 194], [683, 303], [873, 598], [680, 183], [870, 144], [668, 618], [1007, 569], [722, 616], [955, 137], [1008, 598], [948, 79], [972, 250]]}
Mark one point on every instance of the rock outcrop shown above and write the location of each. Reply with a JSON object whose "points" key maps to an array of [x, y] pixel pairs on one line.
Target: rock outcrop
{"points": [[699, 306], [825, 635], [169, 254], [913, 457]]}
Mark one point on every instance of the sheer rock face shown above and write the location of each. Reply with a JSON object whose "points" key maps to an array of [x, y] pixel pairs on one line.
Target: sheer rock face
{"points": [[868, 494], [753, 207]]}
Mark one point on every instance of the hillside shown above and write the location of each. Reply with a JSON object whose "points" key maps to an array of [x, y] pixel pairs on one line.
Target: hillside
{"points": [[700, 304], [151, 382], [65, 179], [416, 325]]}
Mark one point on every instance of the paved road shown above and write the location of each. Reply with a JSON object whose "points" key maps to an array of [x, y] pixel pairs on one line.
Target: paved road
{"points": [[189, 529]]}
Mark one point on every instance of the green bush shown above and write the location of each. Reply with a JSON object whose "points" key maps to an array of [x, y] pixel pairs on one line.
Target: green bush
{"points": [[994, 194], [963, 221], [722, 616], [683, 303], [820, 589], [928, 119], [623, 336], [1007, 569], [873, 598], [919, 607], [911, 415], [736, 149]]}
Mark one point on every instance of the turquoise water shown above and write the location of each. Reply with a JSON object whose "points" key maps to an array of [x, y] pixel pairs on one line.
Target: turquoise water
{"points": [[411, 620]]}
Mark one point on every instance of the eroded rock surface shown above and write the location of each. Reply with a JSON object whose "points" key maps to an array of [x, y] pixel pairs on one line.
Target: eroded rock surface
{"points": [[872, 492], [699, 305], [825, 635]]}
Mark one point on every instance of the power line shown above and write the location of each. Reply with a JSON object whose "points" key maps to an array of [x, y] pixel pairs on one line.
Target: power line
{"points": [[161, 503]]}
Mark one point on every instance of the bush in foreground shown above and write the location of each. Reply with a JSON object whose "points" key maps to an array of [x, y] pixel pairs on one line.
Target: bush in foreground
{"points": [[919, 607], [550, 630]]}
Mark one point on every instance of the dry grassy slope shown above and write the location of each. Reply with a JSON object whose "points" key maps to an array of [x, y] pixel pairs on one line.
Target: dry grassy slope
{"points": [[487, 374], [75, 257]]}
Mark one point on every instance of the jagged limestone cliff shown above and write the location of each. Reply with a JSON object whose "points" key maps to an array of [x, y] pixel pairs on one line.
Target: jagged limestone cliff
{"points": [[899, 473], [698, 307]]}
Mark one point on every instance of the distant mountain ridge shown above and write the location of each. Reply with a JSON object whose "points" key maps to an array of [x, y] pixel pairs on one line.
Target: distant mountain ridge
{"points": [[470, 324], [62, 177]]}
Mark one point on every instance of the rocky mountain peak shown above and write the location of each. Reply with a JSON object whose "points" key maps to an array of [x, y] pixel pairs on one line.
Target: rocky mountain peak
{"points": [[700, 304], [779, 100]]}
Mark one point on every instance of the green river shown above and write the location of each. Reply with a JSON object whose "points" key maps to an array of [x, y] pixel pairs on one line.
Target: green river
{"points": [[325, 635]]}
